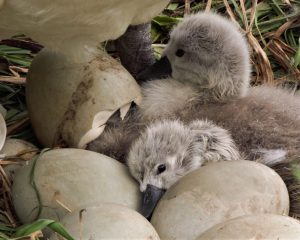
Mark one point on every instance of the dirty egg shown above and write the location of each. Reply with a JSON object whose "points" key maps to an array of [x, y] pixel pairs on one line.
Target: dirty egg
{"points": [[68, 179], [70, 100]]}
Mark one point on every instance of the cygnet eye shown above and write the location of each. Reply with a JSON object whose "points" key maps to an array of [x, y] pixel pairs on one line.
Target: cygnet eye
{"points": [[161, 168], [179, 52]]}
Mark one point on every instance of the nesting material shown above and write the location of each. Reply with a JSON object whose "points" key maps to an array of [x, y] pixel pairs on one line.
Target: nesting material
{"points": [[18, 152], [107, 221], [71, 101], [216, 193], [263, 226], [19, 147], [2, 131], [67, 179]]}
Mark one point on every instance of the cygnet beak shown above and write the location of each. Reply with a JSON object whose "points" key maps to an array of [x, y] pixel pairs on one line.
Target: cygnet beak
{"points": [[150, 197], [160, 69]]}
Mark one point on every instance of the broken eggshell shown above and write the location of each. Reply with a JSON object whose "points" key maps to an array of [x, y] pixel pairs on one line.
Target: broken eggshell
{"points": [[107, 221], [218, 192], [250, 227], [71, 101], [67, 179]]}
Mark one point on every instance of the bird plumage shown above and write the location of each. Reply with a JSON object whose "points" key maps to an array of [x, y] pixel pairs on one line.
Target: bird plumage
{"points": [[210, 80], [180, 148]]}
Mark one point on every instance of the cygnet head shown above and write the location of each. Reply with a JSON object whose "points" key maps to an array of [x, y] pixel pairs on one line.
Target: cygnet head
{"points": [[209, 51], [168, 150]]}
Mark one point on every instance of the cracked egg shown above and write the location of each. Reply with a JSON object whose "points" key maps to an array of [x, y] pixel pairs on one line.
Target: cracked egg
{"points": [[69, 101]]}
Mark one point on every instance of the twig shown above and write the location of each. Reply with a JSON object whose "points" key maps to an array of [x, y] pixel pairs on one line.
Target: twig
{"points": [[262, 60], [187, 7], [6, 181], [284, 27], [15, 80], [264, 65], [18, 69], [208, 6], [64, 206], [229, 11], [252, 14], [245, 16], [11, 129]]}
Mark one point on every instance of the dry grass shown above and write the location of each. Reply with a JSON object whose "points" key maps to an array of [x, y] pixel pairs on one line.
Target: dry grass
{"points": [[272, 28]]}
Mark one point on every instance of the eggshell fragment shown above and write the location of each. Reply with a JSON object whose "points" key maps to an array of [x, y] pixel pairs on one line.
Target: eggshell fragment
{"points": [[70, 100]]}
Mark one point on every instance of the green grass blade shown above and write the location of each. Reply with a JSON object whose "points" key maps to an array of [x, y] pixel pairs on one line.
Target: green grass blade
{"points": [[39, 225], [172, 6], [237, 9], [32, 227], [3, 236], [296, 171], [277, 8], [4, 49], [3, 227], [297, 56], [163, 20], [57, 227], [32, 180]]}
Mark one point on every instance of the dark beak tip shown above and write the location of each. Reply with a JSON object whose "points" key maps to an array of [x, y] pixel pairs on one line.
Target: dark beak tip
{"points": [[151, 196]]}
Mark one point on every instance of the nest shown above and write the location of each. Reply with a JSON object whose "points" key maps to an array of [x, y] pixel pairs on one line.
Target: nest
{"points": [[272, 32]]}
